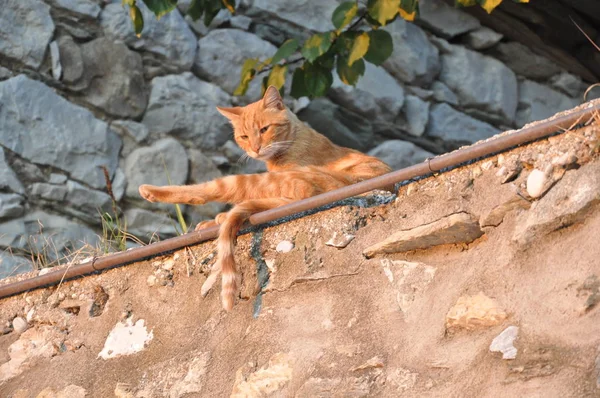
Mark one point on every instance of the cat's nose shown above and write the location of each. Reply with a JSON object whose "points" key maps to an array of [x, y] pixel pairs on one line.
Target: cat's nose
{"points": [[256, 148]]}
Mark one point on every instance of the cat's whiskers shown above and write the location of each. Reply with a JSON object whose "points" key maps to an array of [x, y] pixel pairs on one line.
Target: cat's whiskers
{"points": [[243, 159]]}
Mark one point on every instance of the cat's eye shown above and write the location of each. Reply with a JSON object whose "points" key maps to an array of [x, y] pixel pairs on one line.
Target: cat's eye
{"points": [[244, 137], [264, 129]]}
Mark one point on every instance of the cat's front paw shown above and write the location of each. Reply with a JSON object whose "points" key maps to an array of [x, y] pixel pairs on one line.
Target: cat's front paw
{"points": [[148, 192]]}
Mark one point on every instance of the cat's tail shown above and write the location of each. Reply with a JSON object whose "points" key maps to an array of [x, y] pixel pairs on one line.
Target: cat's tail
{"points": [[228, 231]]}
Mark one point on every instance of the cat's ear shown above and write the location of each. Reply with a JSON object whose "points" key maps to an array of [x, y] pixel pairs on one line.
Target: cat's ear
{"points": [[230, 113], [272, 99]]}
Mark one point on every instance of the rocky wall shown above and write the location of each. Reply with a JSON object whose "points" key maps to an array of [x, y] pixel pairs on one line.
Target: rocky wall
{"points": [[79, 92]]}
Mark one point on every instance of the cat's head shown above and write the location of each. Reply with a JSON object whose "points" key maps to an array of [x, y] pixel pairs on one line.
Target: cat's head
{"points": [[261, 128]]}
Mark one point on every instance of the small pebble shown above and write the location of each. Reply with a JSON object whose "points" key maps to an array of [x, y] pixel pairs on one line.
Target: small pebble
{"points": [[151, 280], [285, 246], [504, 343], [168, 264], [19, 325], [564, 160], [44, 271], [30, 314], [537, 183]]}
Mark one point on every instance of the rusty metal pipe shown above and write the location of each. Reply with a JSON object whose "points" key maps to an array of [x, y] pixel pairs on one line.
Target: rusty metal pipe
{"points": [[451, 159]]}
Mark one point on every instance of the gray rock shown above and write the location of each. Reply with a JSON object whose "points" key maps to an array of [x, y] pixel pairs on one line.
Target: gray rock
{"points": [[11, 265], [202, 169], [52, 192], [442, 93], [83, 8], [451, 125], [169, 39], [480, 82], [504, 343], [55, 60], [8, 178], [67, 136], [26, 29], [399, 154], [119, 183], [240, 162], [112, 78], [340, 125], [416, 114], [5, 73], [11, 205], [132, 133], [483, 38], [89, 204], [71, 60], [538, 102], [185, 106], [312, 15], [455, 228], [376, 94], [414, 60], [57, 178], [444, 20], [145, 223], [12, 234], [147, 166], [221, 54], [567, 203], [525, 62], [424, 94], [569, 84], [241, 22], [201, 29]]}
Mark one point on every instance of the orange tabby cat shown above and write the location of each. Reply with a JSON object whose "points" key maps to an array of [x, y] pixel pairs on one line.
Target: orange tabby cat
{"points": [[300, 163]]}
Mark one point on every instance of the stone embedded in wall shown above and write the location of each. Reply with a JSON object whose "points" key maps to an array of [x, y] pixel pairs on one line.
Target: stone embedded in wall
{"points": [[449, 124], [8, 178], [340, 125], [472, 312], [414, 60], [11, 205], [85, 203], [52, 192], [83, 8], [185, 107], [455, 228], [568, 84], [409, 279], [567, 203], [309, 14], [416, 114], [71, 60], [445, 20], [266, 380], [111, 77], [524, 61], [150, 165], [145, 223], [69, 137], [132, 133], [12, 265], [5, 73], [11, 233], [78, 18], [537, 102], [399, 154], [202, 169], [169, 39], [497, 214], [442, 93], [221, 54], [26, 29], [376, 94], [480, 82], [483, 38]]}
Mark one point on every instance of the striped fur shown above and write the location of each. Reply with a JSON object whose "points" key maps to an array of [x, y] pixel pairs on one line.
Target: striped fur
{"points": [[300, 163]]}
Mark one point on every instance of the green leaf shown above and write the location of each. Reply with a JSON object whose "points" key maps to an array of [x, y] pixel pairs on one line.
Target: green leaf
{"points": [[211, 9], [350, 74], [129, 3], [344, 14], [317, 79], [317, 45], [465, 3], [277, 76], [230, 5], [246, 76], [160, 7], [298, 87], [359, 48], [285, 50], [196, 9], [138, 20], [381, 46], [383, 10], [409, 9]]}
